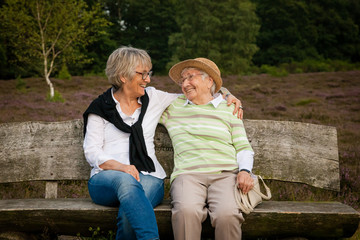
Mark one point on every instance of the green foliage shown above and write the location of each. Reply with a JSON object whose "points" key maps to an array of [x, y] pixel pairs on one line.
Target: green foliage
{"points": [[306, 66], [297, 30], [147, 27], [286, 33], [20, 84], [56, 98], [64, 72], [98, 53], [312, 65], [233, 33], [98, 234], [304, 102], [274, 71], [337, 33], [223, 31], [38, 31]]}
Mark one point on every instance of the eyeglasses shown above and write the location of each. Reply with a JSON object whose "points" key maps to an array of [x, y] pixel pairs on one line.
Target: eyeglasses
{"points": [[190, 77], [144, 75]]}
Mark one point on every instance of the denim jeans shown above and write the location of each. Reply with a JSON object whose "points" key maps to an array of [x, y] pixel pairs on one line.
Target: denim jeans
{"points": [[136, 200]]}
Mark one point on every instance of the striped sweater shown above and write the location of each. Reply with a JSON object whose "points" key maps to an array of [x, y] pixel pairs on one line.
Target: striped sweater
{"points": [[205, 138]]}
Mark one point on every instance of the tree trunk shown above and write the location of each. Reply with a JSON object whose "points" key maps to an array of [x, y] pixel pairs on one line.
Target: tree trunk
{"points": [[47, 77], [50, 85]]}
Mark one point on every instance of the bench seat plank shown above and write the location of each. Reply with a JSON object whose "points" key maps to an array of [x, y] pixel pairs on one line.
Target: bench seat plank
{"points": [[271, 218]]}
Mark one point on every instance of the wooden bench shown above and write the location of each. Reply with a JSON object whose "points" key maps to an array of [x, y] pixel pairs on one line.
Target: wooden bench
{"points": [[284, 151]]}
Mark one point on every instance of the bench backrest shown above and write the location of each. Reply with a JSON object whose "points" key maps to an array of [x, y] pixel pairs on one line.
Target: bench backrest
{"points": [[287, 151]]}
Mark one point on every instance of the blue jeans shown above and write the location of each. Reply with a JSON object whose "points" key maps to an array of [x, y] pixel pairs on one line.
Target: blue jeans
{"points": [[136, 200]]}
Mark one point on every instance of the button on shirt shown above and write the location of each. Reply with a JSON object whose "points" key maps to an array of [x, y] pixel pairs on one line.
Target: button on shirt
{"points": [[103, 141]]}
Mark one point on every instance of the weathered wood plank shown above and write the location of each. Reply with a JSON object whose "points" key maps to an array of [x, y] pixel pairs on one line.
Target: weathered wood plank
{"points": [[51, 188], [296, 152], [46, 151], [281, 219], [289, 151]]}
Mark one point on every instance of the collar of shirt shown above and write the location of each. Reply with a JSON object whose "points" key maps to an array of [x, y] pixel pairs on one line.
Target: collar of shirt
{"points": [[215, 102], [129, 120]]}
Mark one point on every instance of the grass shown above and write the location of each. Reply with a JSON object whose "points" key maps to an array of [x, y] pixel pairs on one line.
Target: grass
{"points": [[328, 98]]}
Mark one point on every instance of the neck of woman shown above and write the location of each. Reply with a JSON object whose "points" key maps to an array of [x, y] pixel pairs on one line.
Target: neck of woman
{"points": [[127, 102]]}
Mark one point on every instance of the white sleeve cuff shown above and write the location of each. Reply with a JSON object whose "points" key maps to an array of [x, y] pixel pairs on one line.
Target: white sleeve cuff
{"points": [[245, 159]]}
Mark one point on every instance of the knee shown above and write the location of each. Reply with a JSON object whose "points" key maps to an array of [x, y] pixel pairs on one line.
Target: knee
{"points": [[187, 211], [125, 183], [226, 217]]}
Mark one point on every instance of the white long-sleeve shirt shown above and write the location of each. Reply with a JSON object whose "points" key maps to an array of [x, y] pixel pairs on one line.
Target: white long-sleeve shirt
{"points": [[103, 141]]}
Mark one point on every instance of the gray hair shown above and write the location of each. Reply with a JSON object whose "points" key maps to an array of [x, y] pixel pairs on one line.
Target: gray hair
{"points": [[203, 76], [123, 62]]}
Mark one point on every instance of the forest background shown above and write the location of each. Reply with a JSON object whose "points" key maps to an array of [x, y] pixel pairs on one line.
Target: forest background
{"points": [[241, 36], [293, 60]]}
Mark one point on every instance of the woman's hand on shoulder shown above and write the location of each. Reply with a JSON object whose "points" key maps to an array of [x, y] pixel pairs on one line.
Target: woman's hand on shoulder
{"points": [[231, 99]]}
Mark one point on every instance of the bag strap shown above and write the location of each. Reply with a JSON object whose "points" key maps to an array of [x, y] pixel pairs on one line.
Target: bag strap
{"points": [[267, 189], [243, 201]]}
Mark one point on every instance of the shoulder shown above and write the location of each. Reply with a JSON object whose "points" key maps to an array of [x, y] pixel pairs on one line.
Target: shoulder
{"points": [[227, 111], [181, 99], [153, 92], [224, 107]]}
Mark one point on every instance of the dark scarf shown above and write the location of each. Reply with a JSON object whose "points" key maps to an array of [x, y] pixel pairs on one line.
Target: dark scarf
{"points": [[105, 107]]}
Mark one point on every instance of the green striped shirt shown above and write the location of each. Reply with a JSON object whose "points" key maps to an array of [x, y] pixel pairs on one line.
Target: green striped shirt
{"points": [[205, 138]]}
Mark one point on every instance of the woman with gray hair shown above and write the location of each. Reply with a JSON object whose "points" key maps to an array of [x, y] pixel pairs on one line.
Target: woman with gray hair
{"points": [[212, 154], [119, 128]]}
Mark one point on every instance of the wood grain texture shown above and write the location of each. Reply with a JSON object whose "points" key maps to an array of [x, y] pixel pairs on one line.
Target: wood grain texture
{"points": [[42, 151], [280, 219], [295, 152], [288, 151]]}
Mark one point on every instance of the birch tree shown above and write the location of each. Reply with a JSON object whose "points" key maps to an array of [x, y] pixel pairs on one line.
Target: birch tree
{"points": [[39, 31]]}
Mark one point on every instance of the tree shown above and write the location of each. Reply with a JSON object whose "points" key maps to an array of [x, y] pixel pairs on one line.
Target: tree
{"points": [[38, 31], [296, 30], [144, 26], [286, 32], [224, 31], [336, 27]]}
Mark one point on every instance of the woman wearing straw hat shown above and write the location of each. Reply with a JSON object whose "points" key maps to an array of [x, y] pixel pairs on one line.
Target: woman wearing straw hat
{"points": [[119, 131], [211, 154]]}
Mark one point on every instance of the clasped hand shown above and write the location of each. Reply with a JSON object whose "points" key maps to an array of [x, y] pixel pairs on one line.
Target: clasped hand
{"points": [[244, 181]]}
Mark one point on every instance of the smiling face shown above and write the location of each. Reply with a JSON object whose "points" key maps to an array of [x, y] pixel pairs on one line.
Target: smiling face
{"points": [[195, 88], [136, 87]]}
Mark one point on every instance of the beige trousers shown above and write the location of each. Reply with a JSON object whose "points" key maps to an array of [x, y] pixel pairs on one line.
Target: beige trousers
{"points": [[195, 195]]}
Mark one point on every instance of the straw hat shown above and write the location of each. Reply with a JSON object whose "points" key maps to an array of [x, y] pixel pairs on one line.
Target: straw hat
{"points": [[203, 64]]}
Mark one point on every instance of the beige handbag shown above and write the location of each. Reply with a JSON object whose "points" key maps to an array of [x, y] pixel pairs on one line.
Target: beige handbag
{"points": [[247, 202]]}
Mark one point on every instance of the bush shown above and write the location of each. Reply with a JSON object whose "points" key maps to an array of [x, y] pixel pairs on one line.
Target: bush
{"points": [[98, 234], [322, 65], [304, 102], [57, 97], [274, 71], [64, 73], [20, 84]]}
